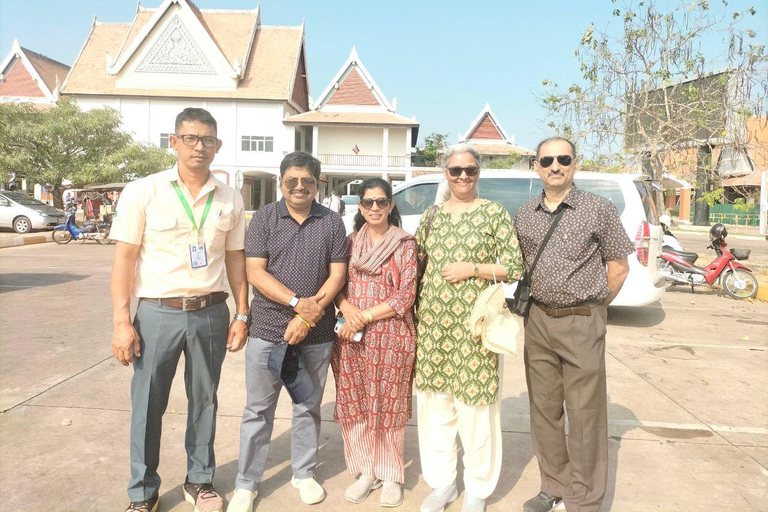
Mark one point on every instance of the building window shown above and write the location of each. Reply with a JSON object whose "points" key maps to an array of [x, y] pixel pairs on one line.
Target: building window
{"points": [[165, 140], [258, 143]]}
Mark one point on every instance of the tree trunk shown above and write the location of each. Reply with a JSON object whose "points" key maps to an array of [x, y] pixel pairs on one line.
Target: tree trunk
{"points": [[653, 167], [703, 185], [58, 193]]}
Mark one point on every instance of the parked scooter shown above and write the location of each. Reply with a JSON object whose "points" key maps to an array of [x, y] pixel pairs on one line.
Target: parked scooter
{"points": [[677, 267], [669, 239], [64, 233]]}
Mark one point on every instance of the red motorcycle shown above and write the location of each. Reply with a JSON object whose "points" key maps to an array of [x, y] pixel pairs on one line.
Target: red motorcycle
{"points": [[677, 267]]}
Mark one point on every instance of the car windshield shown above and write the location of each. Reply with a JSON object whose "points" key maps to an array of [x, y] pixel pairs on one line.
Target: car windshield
{"points": [[22, 198]]}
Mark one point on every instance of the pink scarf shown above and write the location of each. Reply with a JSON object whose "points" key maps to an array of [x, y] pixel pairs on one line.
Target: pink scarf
{"points": [[370, 262]]}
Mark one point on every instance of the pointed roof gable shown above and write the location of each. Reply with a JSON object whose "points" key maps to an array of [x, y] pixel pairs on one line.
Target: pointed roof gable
{"points": [[487, 128], [28, 74], [268, 55], [352, 86]]}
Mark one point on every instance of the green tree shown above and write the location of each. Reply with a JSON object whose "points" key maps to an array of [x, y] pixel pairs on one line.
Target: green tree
{"points": [[63, 143], [648, 89], [430, 154], [503, 163]]}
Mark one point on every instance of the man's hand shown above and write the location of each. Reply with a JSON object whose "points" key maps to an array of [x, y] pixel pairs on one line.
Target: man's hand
{"points": [[353, 317], [309, 309], [126, 345], [238, 335], [296, 331], [457, 272]]}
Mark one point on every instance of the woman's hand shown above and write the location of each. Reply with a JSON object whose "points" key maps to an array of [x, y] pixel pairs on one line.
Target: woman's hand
{"points": [[346, 332], [457, 272], [353, 317]]}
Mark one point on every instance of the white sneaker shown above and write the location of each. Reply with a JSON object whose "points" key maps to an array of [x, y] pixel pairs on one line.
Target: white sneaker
{"points": [[472, 504], [439, 498], [310, 491], [242, 501]]}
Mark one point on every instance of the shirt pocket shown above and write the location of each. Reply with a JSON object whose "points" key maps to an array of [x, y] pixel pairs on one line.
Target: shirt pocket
{"points": [[221, 229], [160, 231]]}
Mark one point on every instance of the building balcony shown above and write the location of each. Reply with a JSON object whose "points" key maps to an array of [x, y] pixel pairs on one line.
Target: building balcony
{"points": [[363, 160]]}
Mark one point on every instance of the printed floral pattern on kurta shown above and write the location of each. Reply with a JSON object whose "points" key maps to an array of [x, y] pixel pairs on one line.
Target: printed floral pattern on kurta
{"points": [[448, 359], [374, 377]]}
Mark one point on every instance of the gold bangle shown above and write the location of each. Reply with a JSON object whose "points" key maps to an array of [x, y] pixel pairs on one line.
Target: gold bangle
{"points": [[369, 316], [305, 322]]}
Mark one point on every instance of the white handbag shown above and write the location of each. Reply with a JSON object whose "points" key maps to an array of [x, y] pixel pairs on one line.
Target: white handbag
{"points": [[492, 323]]}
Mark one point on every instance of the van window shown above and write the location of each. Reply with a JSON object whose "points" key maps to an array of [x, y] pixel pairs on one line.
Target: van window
{"points": [[415, 200], [511, 193], [646, 196], [609, 189]]}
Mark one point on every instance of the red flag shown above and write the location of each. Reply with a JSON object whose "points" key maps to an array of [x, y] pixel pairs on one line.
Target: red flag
{"points": [[356, 149]]}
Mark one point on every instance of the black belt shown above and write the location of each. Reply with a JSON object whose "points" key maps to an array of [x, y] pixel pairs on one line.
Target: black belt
{"points": [[561, 312], [190, 303]]}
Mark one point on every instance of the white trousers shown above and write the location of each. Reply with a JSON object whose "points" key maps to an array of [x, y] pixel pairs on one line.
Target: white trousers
{"points": [[440, 418]]}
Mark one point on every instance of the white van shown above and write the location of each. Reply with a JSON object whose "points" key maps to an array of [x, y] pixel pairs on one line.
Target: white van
{"points": [[630, 193]]}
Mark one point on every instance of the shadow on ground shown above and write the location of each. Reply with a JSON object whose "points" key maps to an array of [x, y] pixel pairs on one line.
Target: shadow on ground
{"points": [[647, 316], [14, 282]]}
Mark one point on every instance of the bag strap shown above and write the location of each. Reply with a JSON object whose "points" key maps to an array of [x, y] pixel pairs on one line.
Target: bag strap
{"points": [[431, 216], [552, 226]]}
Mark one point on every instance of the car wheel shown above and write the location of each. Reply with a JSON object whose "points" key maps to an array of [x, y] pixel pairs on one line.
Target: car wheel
{"points": [[22, 225]]}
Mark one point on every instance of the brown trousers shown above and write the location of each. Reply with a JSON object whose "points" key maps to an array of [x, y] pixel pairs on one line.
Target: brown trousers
{"points": [[565, 362]]}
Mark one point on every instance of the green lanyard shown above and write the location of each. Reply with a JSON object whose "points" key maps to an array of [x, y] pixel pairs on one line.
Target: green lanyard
{"points": [[189, 210]]}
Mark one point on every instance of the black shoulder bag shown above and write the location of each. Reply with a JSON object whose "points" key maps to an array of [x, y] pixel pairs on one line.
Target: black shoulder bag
{"points": [[521, 303]]}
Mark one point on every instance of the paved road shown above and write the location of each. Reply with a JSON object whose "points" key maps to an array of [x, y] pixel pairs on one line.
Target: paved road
{"points": [[698, 242], [688, 418]]}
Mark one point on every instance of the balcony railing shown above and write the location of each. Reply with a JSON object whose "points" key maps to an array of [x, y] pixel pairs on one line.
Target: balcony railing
{"points": [[361, 160]]}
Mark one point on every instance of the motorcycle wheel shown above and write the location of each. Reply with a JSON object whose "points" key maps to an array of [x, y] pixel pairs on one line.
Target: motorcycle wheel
{"points": [[61, 236], [664, 267], [740, 284], [103, 236]]}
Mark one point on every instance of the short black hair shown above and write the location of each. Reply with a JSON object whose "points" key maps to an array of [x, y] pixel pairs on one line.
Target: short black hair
{"points": [[573, 146], [197, 115], [301, 159]]}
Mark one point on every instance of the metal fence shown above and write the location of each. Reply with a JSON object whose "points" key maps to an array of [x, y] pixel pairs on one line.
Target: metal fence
{"points": [[361, 160]]}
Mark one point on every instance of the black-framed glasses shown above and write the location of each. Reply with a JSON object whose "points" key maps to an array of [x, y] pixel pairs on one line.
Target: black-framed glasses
{"points": [[293, 182], [564, 160], [191, 140], [456, 171], [381, 202]]}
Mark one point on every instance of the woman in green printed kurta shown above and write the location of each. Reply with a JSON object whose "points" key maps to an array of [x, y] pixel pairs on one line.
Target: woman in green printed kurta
{"points": [[457, 379]]}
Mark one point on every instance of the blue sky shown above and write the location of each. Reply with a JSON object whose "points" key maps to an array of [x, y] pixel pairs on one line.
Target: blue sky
{"points": [[443, 60]]}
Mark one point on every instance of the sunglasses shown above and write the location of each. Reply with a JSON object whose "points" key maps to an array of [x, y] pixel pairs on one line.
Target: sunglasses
{"points": [[191, 140], [456, 171], [564, 160], [382, 202], [293, 182]]}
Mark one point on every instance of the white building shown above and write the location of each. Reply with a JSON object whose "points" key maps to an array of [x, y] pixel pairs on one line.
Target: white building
{"points": [[488, 137], [354, 130], [249, 76]]}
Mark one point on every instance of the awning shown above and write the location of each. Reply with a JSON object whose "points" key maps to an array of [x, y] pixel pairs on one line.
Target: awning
{"points": [[745, 180], [108, 186], [670, 181]]}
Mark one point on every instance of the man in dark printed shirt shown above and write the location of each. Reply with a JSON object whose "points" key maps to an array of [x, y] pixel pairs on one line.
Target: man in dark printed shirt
{"points": [[296, 260], [580, 272]]}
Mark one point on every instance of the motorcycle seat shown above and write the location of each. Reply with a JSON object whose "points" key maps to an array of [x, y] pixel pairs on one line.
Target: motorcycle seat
{"points": [[690, 257]]}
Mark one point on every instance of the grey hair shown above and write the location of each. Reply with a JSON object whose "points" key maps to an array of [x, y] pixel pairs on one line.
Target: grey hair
{"points": [[461, 148], [573, 146]]}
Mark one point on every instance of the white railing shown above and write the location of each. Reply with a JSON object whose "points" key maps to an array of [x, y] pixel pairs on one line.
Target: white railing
{"points": [[361, 160]]}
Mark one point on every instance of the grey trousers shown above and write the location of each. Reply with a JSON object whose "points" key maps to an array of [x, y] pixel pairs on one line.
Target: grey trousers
{"points": [[565, 361], [165, 333], [259, 413]]}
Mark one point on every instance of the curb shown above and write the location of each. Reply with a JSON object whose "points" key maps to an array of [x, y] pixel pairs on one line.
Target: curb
{"points": [[17, 241], [762, 291]]}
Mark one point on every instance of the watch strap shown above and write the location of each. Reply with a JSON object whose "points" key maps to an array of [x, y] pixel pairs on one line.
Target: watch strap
{"points": [[243, 318]]}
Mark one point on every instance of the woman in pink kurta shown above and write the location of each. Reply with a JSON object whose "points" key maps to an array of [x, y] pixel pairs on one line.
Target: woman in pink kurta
{"points": [[374, 375]]}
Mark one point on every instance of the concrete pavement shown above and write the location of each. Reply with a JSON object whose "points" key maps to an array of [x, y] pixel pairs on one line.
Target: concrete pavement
{"points": [[688, 418]]}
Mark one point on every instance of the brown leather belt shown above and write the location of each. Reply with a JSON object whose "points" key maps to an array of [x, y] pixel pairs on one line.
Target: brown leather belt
{"points": [[561, 312], [190, 303]]}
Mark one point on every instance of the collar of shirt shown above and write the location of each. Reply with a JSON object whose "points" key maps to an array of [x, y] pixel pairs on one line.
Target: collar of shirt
{"points": [[571, 200], [316, 211], [172, 174]]}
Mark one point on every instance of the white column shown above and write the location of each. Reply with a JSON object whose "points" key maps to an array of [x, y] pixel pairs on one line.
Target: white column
{"points": [[315, 137], [408, 144], [385, 148]]}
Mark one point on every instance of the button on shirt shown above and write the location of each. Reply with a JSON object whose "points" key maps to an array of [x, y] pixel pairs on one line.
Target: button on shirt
{"points": [[571, 270], [299, 256], [151, 215]]}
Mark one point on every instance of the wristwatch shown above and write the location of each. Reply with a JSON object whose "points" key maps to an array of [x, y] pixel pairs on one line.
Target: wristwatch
{"points": [[244, 318], [294, 301], [476, 270]]}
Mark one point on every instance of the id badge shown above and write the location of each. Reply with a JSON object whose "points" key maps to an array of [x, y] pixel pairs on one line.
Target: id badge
{"points": [[197, 255]]}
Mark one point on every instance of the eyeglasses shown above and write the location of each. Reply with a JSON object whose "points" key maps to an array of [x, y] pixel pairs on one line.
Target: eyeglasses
{"points": [[382, 202], [564, 160], [293, 182], [191, 140], [456, 171]]}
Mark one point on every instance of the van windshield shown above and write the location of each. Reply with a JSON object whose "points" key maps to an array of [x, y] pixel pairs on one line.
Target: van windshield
{"points": [[511, 193], [415, 200]]}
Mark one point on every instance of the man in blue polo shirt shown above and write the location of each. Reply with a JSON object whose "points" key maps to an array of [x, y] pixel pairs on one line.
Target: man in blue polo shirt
{"points": [[296, 259]]}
